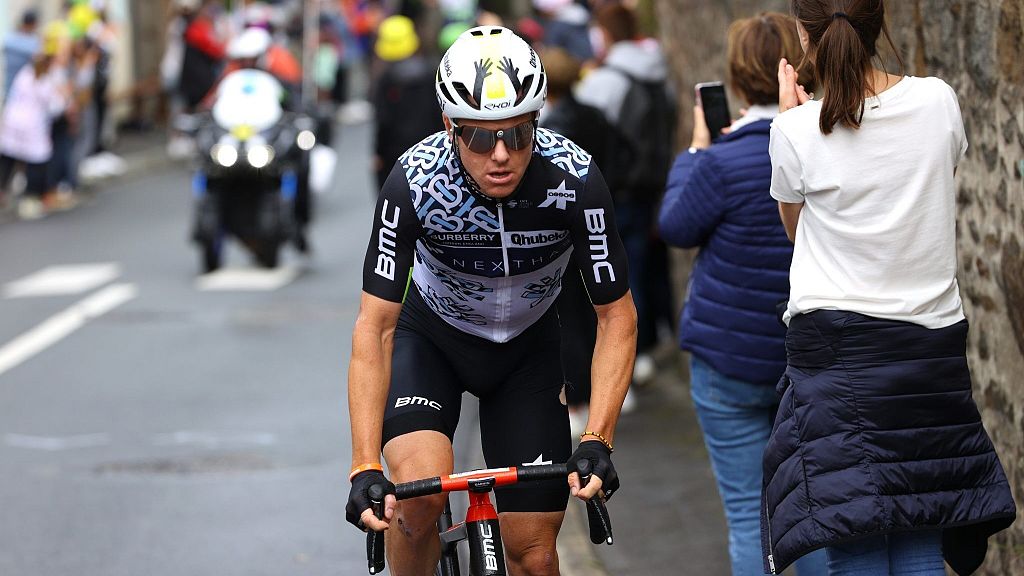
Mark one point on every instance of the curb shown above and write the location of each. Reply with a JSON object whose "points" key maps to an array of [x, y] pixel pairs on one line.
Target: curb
{"points": [[150, 159], [143, 162]]}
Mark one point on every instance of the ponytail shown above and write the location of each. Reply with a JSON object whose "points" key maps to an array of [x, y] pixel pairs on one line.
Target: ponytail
{"points": [[841, 65], [842, 45]]}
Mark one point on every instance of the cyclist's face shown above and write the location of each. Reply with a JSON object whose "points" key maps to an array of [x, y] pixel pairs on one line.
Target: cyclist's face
{"points": [[499, 170]]}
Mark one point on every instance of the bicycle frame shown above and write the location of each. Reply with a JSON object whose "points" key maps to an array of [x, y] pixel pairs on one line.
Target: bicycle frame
{"points": [[481, 529]]}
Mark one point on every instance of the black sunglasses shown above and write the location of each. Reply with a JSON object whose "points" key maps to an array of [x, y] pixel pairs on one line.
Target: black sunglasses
{"points": [[481, 140]]}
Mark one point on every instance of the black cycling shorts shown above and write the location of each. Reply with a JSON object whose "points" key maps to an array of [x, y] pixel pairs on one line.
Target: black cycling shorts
{"points": [[522, 417]]}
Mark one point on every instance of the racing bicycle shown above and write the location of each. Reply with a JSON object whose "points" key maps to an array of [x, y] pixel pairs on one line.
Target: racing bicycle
{"points": [[480, 529]]}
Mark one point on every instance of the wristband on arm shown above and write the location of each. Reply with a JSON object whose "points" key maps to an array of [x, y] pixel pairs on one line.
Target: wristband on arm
{"points": [[363, 468]]}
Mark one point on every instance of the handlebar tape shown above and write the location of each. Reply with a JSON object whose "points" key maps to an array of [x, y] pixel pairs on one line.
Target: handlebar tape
{"points": [[597, 511], [418, 488], [375, 540], [542, 472]]}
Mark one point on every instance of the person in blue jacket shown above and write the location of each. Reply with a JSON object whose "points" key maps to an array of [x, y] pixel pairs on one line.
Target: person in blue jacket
{"points": [[716, 199]]}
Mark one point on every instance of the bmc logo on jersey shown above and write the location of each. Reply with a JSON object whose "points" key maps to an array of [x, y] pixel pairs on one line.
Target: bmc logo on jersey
{"points": [[416, 401], [387, 241], [598, 243]]}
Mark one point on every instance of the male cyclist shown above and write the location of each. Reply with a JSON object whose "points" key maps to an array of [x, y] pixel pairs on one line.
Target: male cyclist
{"points": [[473, 231]]}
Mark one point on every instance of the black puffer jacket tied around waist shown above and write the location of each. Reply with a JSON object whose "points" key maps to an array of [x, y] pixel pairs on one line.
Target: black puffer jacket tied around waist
{"points": [[877, 432]]}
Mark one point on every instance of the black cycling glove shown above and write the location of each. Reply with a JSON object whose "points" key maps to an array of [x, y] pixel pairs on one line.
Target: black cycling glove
{"points": [[359, 500], [600, 458]]}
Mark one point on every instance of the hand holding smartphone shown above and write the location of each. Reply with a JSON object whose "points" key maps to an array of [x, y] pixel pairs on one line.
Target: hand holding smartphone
{"points": [[711, 98]]}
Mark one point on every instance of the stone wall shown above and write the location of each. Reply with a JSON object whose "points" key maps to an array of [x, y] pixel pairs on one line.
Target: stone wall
{"points": [[978, 47]]}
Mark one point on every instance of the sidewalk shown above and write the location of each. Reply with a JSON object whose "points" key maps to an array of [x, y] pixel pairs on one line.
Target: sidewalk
{"points": [[667, 517], [140, 153]]}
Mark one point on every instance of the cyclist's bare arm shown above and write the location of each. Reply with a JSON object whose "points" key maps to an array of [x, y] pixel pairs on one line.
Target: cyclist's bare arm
{"points": [[369, 375], [611, 371]]}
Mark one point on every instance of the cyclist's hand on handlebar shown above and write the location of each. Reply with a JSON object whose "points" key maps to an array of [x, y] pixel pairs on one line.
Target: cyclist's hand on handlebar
{"points": [[604, 476], [359, 510]]}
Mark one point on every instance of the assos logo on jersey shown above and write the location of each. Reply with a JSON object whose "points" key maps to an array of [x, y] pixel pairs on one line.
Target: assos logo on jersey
{"points": [[387, 241], [559, 197], [598, 243]]}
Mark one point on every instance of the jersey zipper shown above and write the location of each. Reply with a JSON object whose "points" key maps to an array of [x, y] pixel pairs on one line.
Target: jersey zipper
{"points": [[504, 299]]}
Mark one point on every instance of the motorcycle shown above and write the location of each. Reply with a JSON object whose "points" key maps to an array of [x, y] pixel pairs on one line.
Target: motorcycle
{"points": [[252, 182]]}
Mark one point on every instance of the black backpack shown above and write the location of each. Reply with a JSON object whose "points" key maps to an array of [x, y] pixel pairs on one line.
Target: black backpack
{"points": [[640, 154]]}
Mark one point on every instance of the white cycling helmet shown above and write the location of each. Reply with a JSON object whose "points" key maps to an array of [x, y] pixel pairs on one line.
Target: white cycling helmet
{"points": [[252, 43], [489, 73]]}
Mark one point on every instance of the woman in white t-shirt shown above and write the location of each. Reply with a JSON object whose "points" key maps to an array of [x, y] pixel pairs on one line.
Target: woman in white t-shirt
{"points": [[878, 453]]}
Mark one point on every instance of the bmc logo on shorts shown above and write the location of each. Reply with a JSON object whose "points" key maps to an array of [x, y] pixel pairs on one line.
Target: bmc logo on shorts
{"points": [[416, 401]]}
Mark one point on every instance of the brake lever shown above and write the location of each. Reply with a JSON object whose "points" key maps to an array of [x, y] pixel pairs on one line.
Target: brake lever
{"points": [[597, 511], [375, 540]]}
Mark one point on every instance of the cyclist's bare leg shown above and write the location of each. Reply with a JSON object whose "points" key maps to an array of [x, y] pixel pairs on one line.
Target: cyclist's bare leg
{"points": [[412, 545], [529, 539]]}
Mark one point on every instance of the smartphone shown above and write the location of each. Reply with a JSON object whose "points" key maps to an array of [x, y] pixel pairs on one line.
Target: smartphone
{"points": [[711, 97]]}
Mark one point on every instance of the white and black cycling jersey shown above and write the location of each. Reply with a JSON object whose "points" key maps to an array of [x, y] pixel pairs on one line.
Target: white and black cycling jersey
{"points": [[492, 267]]}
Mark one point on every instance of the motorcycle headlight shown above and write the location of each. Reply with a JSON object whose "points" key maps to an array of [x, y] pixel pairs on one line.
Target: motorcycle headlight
{"points": [[306, 140], [224, 154], [259, 156]]}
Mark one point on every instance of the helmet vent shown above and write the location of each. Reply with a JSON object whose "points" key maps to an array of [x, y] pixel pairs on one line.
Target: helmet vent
{"points": [[540, 85], [492, 32], [447, 94], [466, 95], [525, 90]]}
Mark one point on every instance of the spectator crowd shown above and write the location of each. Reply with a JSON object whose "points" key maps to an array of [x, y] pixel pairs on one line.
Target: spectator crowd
{"points": [[56, 77]]}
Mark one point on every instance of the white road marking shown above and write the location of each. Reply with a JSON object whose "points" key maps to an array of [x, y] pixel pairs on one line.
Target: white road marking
{"points": [[51, 444], [213, 439], [247, 279], [63, 280], [60, 325]]}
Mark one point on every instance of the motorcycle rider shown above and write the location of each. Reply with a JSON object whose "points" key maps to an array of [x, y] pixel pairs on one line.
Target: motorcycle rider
{"points": [[255, 49]]}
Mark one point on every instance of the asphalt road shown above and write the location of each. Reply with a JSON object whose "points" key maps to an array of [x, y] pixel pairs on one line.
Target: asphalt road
{"points": [[154, 423], [148, 426]]}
